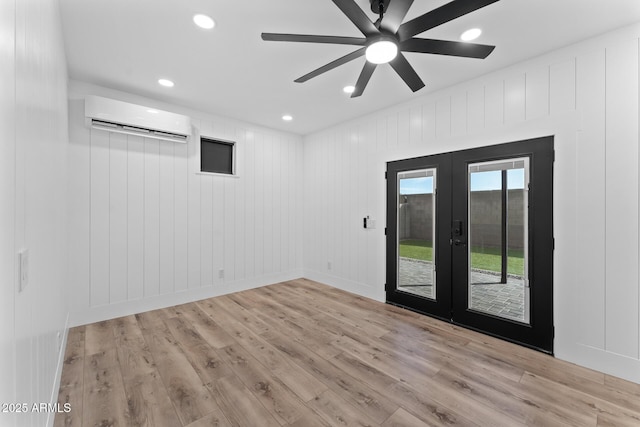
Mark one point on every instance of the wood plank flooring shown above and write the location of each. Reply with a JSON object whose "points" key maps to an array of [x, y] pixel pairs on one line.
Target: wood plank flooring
{"points": [[304, 354]]}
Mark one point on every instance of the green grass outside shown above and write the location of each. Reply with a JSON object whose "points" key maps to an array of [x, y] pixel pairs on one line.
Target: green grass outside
{"points": [[416, 249], [481, 258]]}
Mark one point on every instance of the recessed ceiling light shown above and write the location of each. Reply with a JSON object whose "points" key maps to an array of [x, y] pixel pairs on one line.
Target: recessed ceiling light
{"points": [[152, 111], [165, 83], [471, 34], [287, 118], [204, 21], [349, 89]]}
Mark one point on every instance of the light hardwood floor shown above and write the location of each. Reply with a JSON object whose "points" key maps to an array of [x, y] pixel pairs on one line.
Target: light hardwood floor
{"points": [[304, 354]]}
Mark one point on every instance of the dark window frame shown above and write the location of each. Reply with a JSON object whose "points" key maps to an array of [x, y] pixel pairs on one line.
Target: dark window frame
{"points": [[209, 162]]}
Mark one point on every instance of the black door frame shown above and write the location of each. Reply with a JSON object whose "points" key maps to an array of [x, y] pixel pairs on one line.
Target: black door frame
{"points": [[452, 283], [441, 306]]}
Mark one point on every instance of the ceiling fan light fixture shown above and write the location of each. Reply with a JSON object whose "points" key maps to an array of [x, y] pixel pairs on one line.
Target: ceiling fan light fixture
{"points": [[383, 50], [471, 34]]}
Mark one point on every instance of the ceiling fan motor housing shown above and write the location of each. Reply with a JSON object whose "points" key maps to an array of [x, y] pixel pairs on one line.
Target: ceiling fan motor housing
{"points": [[375, 5]]}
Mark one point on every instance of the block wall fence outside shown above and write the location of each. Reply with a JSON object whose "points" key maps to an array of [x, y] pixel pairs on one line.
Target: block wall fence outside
{"points": [[416, 222], [415, 217], [147, 230], [586, 95]]}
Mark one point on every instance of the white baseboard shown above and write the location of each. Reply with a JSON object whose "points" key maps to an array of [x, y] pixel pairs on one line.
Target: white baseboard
{"points": [[357, 288], [126, 308], [600, 360], [56, 382]]}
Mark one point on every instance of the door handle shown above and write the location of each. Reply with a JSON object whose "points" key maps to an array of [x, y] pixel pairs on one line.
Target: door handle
{"points": [[459, 242]]}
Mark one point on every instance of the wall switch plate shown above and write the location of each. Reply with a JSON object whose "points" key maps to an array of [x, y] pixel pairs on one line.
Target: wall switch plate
{"points": [[369, 223], [221, 274], [328, 265], [23, 257]]}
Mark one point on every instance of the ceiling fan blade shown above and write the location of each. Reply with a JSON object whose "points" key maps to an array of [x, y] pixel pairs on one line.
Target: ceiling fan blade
{"points": [[308, 38], [357, 16], [365, 75], [407, 73], [439, 16], [445, 47], [395, 14], [331, 65]]}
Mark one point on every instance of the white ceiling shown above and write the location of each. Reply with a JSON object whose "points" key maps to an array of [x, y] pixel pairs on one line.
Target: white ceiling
{"points": [[130, 44]]}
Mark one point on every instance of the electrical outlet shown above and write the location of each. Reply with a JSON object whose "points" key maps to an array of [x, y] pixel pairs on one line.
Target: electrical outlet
{"points": [[221, 273], [328, 265], [23, 257]]}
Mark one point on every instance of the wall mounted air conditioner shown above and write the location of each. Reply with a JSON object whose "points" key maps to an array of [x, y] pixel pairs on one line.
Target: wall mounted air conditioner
{"points": [[123, 117]]}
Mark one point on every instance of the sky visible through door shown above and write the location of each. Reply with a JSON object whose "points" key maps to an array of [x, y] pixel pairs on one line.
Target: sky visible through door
{"points": [[490, 180]]}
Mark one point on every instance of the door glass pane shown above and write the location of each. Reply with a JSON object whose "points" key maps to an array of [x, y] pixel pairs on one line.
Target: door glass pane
{"points": [[498, 238], [416, 232]]}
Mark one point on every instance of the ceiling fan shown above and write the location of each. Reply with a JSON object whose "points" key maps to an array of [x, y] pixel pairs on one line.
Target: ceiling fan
{"points": [[388, 37]]}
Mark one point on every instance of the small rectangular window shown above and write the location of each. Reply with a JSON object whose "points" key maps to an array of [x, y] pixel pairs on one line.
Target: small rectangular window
{"points": [[217, 156]]}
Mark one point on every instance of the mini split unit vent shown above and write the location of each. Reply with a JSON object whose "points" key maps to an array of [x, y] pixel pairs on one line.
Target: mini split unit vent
{"points": [[122, 117]]}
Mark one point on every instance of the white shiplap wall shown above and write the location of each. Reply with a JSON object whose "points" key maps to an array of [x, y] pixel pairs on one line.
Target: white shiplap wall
{"points": [[33, 165], [147, 230], [587, 96], [7, 206]]}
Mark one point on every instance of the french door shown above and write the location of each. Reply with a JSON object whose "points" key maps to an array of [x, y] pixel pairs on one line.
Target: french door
{"points": [[470, 239]]}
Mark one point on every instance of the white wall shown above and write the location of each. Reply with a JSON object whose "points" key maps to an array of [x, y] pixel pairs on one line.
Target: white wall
{"points": [[33, 144], [587, 96], [7, 201], [148, 231]]}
